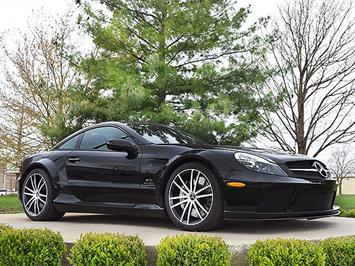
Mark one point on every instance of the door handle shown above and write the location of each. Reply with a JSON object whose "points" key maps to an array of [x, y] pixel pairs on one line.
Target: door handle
{"points": [[74, 160]]}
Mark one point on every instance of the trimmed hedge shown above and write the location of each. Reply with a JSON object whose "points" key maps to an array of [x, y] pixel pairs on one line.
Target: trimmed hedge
{"points": [[31, 247], [339, 251], [286, 252], [108, 249], [193, 249], [44, 247], [4, 227], [347, 213]]}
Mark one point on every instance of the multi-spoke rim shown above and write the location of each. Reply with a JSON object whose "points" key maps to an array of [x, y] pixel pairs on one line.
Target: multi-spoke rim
{"points": [[35, 194], [190, 196]]}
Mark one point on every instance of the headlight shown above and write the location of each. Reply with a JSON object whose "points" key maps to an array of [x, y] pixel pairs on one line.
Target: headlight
{"points": [[258, 164]]}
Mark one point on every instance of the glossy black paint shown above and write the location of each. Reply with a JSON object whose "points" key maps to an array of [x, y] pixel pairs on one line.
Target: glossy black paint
{"points": [[107, 181]]}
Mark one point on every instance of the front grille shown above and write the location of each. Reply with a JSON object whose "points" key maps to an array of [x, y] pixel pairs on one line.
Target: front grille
{"points": [[300, 164], [306, 169]]}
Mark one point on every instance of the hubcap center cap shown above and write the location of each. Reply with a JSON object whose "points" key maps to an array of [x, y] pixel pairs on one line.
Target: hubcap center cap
{"points": [[192, 196]]}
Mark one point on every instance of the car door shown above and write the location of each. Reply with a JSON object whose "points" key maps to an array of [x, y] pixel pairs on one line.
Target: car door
{"points": [[96, 174]]}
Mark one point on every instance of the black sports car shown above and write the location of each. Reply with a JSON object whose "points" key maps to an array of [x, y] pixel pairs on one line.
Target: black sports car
{"points": [[150, 169]]}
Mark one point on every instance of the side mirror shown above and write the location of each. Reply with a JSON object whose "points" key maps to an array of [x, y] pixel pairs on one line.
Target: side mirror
{"points": [[123, 145]]}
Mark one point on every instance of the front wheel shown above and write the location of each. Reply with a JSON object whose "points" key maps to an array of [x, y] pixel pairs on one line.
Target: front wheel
{"points": [[37, 197], [193, 199]]}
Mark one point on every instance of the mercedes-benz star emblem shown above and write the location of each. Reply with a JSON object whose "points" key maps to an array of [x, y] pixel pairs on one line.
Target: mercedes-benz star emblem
{"points": [[320, 168]]}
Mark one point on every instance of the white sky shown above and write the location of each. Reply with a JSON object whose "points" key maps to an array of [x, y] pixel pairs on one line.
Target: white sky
{"points": [[15, 13]]}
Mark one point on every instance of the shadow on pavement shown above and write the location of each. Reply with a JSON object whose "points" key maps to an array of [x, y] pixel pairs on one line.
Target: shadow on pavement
{"points": [[238, 226]]}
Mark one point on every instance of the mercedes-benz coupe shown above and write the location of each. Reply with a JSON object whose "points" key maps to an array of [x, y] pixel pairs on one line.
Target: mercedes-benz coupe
{"points": [[149, 169]]}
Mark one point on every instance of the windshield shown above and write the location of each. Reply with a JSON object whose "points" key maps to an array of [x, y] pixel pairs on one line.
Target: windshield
{"points": [[159, 134]]}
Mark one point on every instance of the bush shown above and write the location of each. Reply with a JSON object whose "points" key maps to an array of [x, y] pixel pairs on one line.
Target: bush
{"points": [[5, 227], [285, 252], [339, 251], [31, 247], [193, 249], [108, 249], [347, 213]]}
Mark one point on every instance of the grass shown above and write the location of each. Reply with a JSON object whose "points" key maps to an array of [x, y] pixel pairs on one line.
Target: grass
{"points": [[346, 202], [10, 204]]}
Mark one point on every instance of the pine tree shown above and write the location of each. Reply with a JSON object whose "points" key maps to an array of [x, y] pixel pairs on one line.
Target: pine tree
{"points": [[192, 64]]}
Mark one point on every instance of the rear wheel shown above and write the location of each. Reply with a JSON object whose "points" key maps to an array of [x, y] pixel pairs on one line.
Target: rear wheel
{"points": [[37, 197], [193, 198]]}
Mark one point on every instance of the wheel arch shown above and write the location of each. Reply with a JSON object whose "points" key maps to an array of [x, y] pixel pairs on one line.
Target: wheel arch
{"points": [[43, 164], [181, 160]]}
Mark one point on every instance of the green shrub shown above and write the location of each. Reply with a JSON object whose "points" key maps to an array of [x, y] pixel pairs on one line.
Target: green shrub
{"points": [[347, 213], [280, 252], [193, 249], [108, 249], [339, 251], [5, 227], [31, 247]]}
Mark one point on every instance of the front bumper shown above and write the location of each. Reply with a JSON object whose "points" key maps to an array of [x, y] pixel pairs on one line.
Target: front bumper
{"points": [[236, 215], [283, 198]]}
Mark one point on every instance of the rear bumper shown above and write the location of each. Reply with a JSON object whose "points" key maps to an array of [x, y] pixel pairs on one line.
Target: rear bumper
{"points": [[239, 215]]}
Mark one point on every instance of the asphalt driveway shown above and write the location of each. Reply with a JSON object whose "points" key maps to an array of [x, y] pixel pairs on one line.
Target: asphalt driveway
{"points": [[151, 230]]}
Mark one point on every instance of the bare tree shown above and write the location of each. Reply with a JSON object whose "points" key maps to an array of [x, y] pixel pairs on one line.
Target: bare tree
{"points": [[16, 136], [342, 165], [314, 55], [39, 74], [35, 97]]}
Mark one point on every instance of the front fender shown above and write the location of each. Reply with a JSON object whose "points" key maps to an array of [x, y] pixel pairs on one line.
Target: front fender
{"points": [[178, 160]]}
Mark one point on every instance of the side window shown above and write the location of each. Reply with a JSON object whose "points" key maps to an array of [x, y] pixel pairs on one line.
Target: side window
{"points": [[70, 144], [96, 139]]}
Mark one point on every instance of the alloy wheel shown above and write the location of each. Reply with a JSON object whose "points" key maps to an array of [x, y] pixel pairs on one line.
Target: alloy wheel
{"points": [[35, 193], [190, 196]]}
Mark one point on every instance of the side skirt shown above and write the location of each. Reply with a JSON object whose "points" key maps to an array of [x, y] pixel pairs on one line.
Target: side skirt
{"points": [[69, 203]]}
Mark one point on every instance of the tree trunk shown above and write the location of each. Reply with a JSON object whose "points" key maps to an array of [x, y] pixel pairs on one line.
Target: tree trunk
{"points": [[300, 137], [340, 186]]}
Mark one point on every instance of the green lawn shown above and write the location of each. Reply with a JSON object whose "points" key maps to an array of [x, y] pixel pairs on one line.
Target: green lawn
{"points": [[10, 204], [346, 202]]}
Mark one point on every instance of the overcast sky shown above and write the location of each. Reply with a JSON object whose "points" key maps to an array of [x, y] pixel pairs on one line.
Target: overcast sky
{"points": [[15, 13]]}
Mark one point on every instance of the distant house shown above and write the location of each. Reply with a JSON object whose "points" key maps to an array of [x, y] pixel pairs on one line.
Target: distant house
{"points": [[8, 179], [348, 186]]}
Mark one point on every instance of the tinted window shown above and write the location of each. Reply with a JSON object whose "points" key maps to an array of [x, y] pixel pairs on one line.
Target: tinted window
{"points": [[96, 139], [70, 144], [164, 135]]}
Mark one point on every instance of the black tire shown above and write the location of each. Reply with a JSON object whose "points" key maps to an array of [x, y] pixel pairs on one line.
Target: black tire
{"points": [[215, 215], [49, 212]]}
